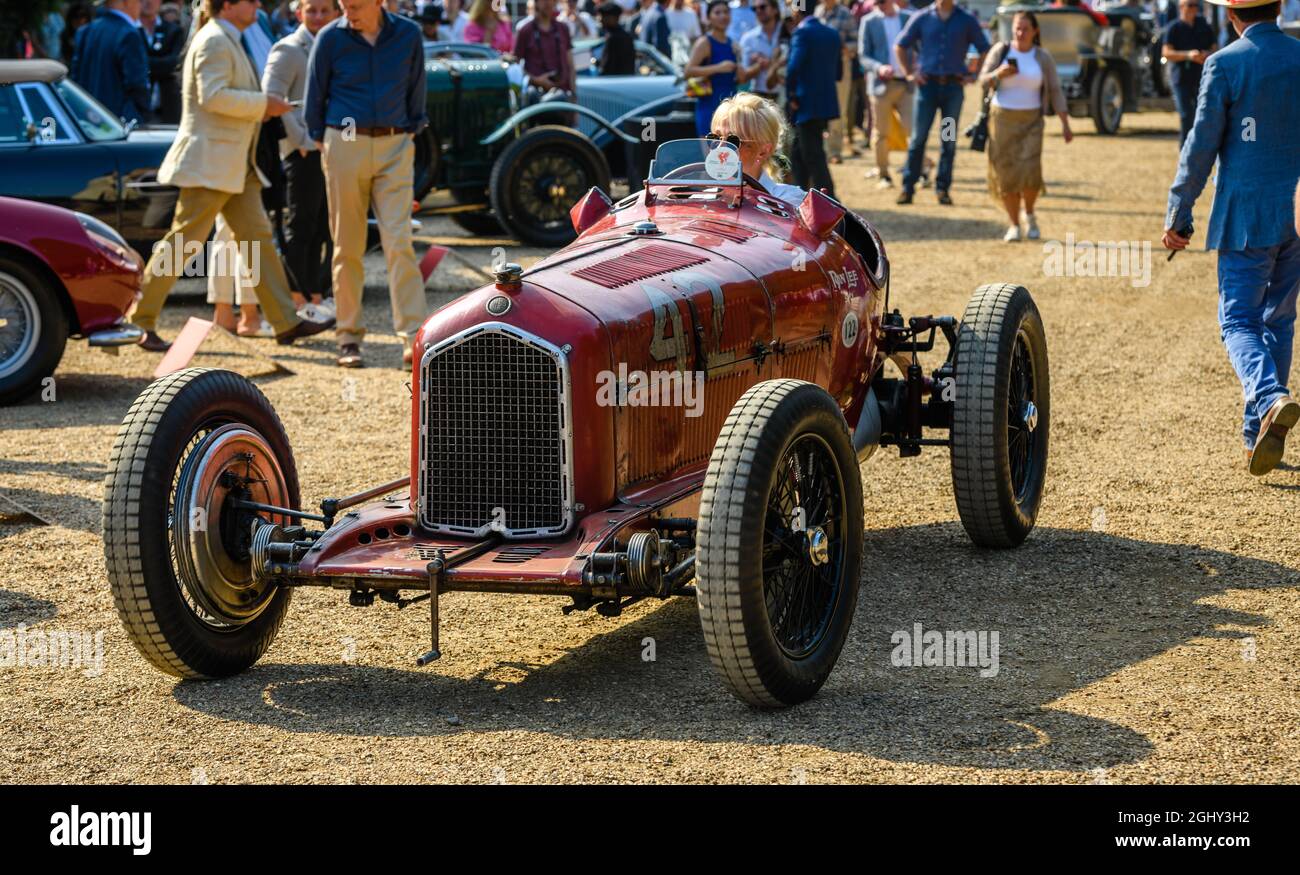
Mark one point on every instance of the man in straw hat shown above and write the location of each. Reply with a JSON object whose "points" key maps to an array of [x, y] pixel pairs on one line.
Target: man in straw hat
{"points": [[1247, 119]]}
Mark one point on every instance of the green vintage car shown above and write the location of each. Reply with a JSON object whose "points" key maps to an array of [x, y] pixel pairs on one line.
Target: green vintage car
{"points": [[492, 161]]}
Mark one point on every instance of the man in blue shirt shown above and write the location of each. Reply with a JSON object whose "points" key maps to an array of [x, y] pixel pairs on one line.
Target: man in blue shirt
{"points": [[653, 27], [363, 107], [1188, 43], [944, 31], [811, 74], [109, 60], [1246, 121]]}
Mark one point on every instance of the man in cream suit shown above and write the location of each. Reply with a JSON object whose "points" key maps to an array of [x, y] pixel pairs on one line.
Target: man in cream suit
{"points": [[886, 91], [212, 162], [308, 248]]}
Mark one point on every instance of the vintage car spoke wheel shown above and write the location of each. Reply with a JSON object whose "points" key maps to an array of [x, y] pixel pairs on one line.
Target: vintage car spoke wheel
{"points": [[539, 177], [1107, 101], [1001, 416], [177, 550], [33, 330], [779, 543]]}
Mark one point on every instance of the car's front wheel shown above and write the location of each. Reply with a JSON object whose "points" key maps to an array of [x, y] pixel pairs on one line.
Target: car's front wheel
{"points": [[33, 330], [1001, 415], [779, 543], [177, 543], [539, 177]]}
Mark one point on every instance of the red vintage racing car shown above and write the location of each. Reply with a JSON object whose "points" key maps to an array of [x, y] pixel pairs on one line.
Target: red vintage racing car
{"points": [[546, 460]]}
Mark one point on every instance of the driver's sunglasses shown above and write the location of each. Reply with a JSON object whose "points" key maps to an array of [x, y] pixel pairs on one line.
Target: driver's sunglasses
{"points": [[730, 138]]}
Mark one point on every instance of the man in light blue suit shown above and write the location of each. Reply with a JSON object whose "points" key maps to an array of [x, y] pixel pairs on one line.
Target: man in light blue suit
{"points": [[1248, 119]]}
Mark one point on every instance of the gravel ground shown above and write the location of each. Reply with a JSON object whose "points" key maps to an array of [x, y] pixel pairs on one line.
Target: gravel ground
{"points": [[1147, 630]]}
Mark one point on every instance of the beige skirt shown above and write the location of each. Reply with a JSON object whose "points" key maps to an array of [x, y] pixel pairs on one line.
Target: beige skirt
{"points": [[1015, 151]]}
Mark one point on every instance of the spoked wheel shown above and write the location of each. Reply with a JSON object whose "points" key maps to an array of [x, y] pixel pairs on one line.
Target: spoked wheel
{"points": [[779, 544], [1001, 416], [33, 330], [178, 546], [1107, 102], [538, 179]]}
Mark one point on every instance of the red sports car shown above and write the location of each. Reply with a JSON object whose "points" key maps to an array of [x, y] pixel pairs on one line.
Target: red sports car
{"points": [[676, 404], [62, 274]]}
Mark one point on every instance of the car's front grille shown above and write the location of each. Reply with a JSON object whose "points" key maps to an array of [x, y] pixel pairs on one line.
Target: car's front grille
{"points": [[496, 440]]}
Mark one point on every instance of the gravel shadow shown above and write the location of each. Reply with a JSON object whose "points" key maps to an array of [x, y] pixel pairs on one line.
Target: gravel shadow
{"points": [[1070, 607], [81, 400], [19, 607]]}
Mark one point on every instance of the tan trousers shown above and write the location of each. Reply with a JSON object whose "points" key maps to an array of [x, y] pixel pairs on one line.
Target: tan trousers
{"points": [[835, 130], [896, 95], [376, 173], [196, 211]]}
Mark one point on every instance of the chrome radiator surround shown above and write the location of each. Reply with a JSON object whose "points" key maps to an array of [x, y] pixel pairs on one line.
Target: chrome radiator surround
{"points": [[498, 415]]}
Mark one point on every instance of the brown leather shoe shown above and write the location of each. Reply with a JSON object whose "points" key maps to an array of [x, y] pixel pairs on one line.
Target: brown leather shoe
{"points": [[1273, 429], [305, 328], [350, 356], [151, 342]]}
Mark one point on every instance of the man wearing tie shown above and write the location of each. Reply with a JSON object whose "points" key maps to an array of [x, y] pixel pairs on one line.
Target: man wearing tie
{"points": [[212, 162]]}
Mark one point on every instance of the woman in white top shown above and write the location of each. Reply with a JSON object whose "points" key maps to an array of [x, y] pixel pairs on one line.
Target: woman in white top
{"points": [[760, 127], [1025, 87]]}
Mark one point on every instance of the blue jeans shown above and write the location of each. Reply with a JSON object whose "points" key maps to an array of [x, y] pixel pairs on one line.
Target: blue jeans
{"points": [[934, 98], [1185, 92], [1257, 306]]}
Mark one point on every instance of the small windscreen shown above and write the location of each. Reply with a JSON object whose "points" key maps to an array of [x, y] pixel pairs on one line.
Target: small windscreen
{"points": [[694, 162]]}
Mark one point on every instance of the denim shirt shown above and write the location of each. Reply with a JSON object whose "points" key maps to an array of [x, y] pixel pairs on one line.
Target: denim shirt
{"points": [[943, 43], [372, 86]]}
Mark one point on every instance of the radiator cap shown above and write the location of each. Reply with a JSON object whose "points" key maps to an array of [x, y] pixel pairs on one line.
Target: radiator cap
{"points": [[508, 277]]}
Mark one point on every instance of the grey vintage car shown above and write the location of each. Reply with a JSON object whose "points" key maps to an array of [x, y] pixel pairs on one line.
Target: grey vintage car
{"points": [[1105, 70]]}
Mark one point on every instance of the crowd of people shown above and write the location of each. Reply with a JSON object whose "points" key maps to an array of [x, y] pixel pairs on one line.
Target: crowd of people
{"points": [[773, 78]]}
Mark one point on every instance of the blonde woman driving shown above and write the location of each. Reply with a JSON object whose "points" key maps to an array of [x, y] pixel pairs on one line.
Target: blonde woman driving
{"points": [[755, 126]]}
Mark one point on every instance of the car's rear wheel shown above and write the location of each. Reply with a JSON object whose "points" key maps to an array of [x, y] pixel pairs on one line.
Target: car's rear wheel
{"points": [[33, 330], [539, 177], [779, 543], [1001, 415], [176, 545], [1106, 102]]}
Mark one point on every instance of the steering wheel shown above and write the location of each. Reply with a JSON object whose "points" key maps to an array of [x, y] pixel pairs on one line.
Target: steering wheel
{"points": [[688, 169]]}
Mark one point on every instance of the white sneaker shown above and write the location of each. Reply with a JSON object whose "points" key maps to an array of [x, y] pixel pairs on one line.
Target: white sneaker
{"points": [[871, 173], [1012, 235], [322, 312], [885, 182], [1032, 224]]}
